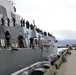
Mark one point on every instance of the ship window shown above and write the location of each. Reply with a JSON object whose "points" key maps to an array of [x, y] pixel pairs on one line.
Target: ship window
{"points": [[12, 15], [0, 9], [3, 11], [2, 35], [14, 9]]}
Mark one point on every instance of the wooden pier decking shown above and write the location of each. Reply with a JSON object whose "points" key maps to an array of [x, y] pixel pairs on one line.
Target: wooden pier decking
{"points": [[69, 67]]}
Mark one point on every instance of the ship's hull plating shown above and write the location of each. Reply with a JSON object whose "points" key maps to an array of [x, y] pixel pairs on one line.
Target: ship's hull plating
{"points": [[11, 61]]}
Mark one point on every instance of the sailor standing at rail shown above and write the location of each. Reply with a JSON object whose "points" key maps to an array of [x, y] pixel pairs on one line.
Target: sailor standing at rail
{"points": [[31, 42], [20, 41], [27, 24], [13, 21], [21, 22], [2, 21], [24, 23], [8, 21], [7, 37]]}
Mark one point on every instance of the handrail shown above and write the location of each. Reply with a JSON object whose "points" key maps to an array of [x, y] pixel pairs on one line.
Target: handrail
{"points": [[30, 67]]}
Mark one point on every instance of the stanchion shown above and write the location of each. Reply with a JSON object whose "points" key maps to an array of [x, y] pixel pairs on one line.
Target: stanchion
{"points": [[58, 62]]}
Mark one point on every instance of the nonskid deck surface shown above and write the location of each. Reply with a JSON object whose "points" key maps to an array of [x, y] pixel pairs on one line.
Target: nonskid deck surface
{"points": [[9, 48], [69, 67]]}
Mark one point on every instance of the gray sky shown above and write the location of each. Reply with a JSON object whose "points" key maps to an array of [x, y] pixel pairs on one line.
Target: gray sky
{"points": [[54, 16]]}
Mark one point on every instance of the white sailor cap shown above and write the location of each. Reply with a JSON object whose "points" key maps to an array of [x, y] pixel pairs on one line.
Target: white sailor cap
{"points": [[7, 29], [19, 33]]}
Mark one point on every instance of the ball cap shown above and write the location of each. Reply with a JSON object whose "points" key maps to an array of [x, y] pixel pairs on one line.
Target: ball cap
{"points": [[7, 29]]}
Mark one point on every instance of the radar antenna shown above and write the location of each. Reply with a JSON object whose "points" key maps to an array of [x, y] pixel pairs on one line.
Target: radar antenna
{"points": [[34, 23], [11, 2]]}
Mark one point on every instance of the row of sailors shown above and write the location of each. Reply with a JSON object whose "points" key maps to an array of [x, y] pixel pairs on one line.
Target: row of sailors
{"points": [[20, 40], [3, 19], [22, 21]]}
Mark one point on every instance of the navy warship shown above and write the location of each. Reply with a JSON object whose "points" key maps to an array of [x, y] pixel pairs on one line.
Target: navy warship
{"points": [[13, 58]]}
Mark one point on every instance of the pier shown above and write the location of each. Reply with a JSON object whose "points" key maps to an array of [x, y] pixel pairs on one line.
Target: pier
{"points": [[60, 67], [64, 66], [69, 67]]}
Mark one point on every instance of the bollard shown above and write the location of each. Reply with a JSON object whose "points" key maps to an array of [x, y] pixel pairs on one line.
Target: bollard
{"points": [[51, 71], [58, 62]]}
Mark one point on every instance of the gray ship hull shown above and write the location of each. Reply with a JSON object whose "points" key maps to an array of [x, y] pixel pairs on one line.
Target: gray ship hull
{"points": [[11, 60]]}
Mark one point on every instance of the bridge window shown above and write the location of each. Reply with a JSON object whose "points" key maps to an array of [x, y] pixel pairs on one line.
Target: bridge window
{"points": [[3, 11], [12, 15]]}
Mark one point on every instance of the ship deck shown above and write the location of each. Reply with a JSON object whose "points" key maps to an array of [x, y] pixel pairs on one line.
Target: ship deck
{"points": [[69, 67]]}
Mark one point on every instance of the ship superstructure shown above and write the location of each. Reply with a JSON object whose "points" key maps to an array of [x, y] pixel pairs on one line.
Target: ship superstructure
{"points": [[14, 58]]}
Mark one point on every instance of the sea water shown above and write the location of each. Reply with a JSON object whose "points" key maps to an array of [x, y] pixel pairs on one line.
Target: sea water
{"points": [[61, 49]]}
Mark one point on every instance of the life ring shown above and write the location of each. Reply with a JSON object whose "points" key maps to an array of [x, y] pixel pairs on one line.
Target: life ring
{"points": [[18, 42], [36, 41]]}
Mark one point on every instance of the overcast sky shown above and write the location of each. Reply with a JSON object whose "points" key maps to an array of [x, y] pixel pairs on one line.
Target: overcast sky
{"points": [[55, 16]]}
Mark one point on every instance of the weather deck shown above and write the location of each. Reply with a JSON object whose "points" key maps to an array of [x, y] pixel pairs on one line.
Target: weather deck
{"points": [[69, 67]]}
